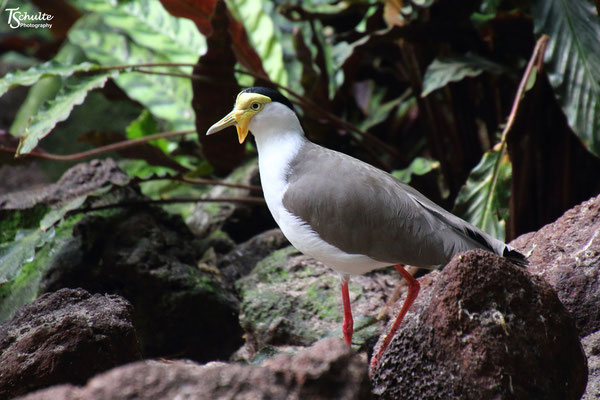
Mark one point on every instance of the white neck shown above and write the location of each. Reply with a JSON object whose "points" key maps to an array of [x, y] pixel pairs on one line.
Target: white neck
{"points": [[279, 137]]}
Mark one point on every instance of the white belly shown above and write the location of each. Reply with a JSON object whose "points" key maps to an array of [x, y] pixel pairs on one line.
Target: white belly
{"points": [[306, 240]]}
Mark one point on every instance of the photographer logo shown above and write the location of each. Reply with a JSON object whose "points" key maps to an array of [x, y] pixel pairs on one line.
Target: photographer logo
{"points": [[23, 19]]}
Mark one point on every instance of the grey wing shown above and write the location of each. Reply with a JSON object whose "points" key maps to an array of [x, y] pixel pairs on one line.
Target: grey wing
{"points": [[362, 210]]}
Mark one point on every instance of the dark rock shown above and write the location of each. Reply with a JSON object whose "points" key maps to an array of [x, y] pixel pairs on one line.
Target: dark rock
{"points": [[591, 345], [241, 221], [80, 180], [66, 336], [566, 253], [329, 370], [240, 260], [21, 177], [290, 299], [151, 258], [483, 328]]}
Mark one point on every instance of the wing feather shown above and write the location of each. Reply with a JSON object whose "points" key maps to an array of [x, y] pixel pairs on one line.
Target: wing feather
{"points": [[363, 210]]}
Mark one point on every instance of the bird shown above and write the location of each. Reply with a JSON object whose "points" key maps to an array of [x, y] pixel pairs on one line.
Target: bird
{"points": [[343, 212]]}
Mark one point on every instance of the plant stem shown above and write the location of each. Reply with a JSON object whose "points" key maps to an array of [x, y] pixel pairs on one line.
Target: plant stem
{"points": [[303, 101], [535, 60], [247, 200], [102, 149], [200, 181]]}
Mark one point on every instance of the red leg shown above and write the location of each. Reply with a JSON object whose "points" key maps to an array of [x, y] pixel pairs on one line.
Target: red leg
{"points": [[348, 325], [413, 291]]}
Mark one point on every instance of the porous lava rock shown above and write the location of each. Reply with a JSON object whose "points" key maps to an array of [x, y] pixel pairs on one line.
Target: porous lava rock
{"points": [[80, 180], [483, 328], [591, 345], [329, 370], [181, 308], [66, 336], [566, 253]]}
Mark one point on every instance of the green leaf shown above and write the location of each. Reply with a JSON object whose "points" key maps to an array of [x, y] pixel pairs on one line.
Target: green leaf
{"points": [[72, 93], [378, 110], [45, 89], [483, 200], [143, 125], [57, 214], [443, 71], [32, 75], [28, 272], [255, 16], [168, 98], [13, 255], [148, 24], [573, 62], [419, 166]]}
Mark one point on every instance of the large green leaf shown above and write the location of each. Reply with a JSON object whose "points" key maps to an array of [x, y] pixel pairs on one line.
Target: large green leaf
{"points": [[573, 62], [167, 97], [72, 93], [45, 88], [255, 16], [149, 25], [32, 75], [443, 71], [483, 200]]}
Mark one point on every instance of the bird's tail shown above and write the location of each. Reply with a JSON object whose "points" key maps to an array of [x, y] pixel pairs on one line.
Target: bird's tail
{"points": [[515, 256]]}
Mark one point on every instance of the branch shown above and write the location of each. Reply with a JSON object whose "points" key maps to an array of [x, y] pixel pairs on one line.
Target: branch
{"points": [[303, 101], [200, 181], [99, 150], [536, 59], [246, 200]]}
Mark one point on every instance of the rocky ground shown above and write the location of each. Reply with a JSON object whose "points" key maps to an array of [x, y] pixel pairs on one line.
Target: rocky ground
{"points": [[139, 304]]}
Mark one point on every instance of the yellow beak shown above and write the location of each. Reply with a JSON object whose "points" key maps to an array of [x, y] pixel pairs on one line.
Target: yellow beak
{"points": [[239, 118]]}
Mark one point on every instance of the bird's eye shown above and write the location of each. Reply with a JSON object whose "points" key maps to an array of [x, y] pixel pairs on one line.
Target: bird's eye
{"points": [[255, 106]]}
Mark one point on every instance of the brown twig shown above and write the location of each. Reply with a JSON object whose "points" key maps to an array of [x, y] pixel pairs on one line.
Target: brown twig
{"points": [[99, 150], [300, 99], [535, 60], [204, 181], [200, 181], [538, 53], [248, 200], [143, 65]]}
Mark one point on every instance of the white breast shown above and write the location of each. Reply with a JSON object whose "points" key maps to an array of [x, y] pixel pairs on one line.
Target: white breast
{"points": [[276, 151]]}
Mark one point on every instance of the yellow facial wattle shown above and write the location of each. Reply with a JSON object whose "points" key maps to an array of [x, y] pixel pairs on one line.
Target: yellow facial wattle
{"points": [[247, 105]]}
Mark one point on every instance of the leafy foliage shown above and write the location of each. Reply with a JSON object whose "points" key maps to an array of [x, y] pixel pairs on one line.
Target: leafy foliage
{"points": [[445, 70], [35, 73], [483, 200], [573, 60], [365, 76], [263, 36], [72, 93], [108, 45], [419, 166]]}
